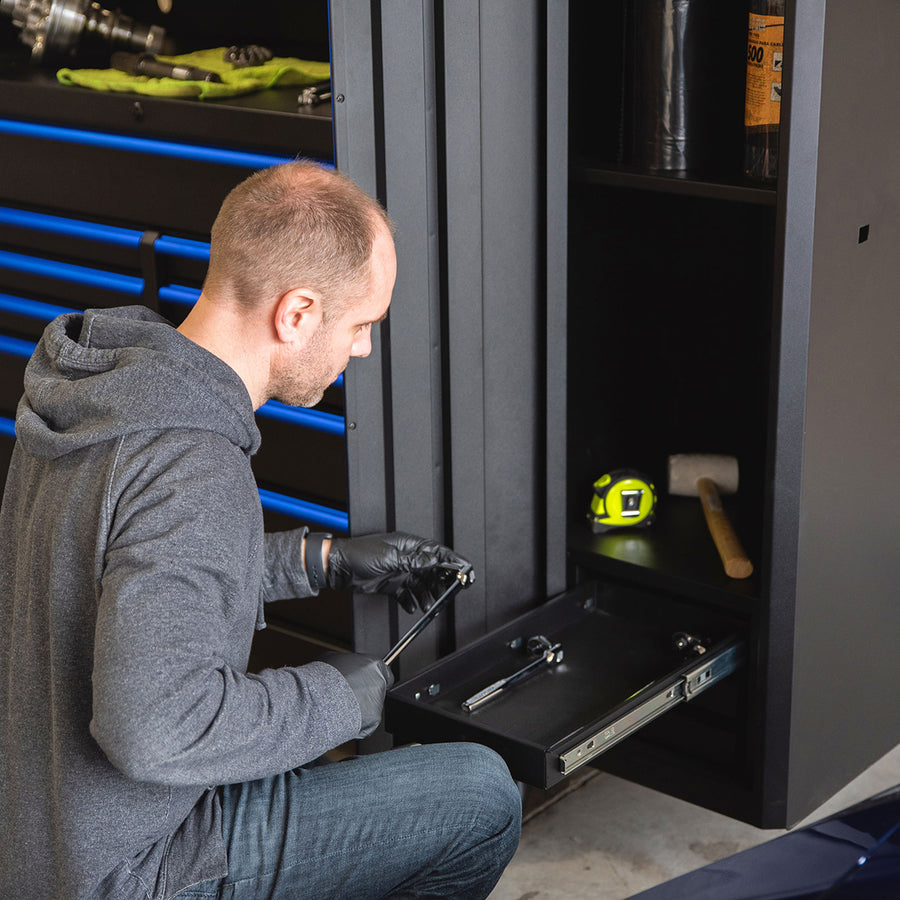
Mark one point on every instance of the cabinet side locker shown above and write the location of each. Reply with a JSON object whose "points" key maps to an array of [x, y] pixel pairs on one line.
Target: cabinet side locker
{"points": [[386, 131], [453, 441], [844, 713]]}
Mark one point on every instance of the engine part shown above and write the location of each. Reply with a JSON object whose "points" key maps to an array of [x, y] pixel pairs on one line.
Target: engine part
{"points": [[57, 28]]}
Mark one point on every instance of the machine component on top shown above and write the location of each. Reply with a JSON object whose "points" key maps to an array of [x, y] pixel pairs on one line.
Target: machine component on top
{"points": [[56, 28], [622, 498]]}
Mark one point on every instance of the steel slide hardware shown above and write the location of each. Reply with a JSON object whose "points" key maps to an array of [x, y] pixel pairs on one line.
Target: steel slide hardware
{"points": [[711, 669]]}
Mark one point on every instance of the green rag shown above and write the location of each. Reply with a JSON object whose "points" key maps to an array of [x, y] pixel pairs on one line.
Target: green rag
{"points": [[282, 71]]}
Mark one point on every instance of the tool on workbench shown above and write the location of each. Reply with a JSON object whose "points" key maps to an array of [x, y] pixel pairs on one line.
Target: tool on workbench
{"points": [[243, 57], [461, 577], [148, 64], [707, 476], [315, 94], [622, 498], [550, 654]]}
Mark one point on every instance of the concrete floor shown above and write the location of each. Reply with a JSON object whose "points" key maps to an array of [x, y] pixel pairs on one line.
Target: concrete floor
{"points": [[609, 839]]}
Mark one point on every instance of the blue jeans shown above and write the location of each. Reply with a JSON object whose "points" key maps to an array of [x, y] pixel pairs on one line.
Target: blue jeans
{"points": [[425, 821]]}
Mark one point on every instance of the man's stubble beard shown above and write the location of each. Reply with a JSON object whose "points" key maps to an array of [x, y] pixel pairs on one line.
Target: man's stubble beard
{"points": [[305, 378]]}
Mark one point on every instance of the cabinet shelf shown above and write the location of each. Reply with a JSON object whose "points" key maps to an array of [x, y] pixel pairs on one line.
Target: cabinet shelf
{"points": [[269, 120], [675, 553], [737, 190]]}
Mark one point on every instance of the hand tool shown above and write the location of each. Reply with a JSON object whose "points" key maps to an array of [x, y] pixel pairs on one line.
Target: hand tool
{"points": [[462, 577], [148, 64], [315, 94], [622, 498], [550, 655], [707, 475], [242, 57]]}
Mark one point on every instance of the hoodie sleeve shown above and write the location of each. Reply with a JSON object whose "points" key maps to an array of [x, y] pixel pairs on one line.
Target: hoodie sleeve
{"points": [[285, 575], [179, 595]]}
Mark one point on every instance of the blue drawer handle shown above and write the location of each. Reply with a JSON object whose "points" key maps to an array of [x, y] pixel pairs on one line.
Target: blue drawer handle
{"points": [[182, 247], [106, 234], [179, 293], [33, 309], [47, 268], [311, 513], [110, 141], [313, 419], [16, 346]]}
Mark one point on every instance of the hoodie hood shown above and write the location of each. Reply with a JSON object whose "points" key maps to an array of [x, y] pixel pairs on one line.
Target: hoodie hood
{"points": [[107, 373]]}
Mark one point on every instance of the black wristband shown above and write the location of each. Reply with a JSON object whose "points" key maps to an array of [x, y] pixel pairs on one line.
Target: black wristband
{"points": [[315, 571]]}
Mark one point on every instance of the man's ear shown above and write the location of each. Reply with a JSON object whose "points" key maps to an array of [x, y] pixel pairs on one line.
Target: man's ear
{"points": [[298, 315]]}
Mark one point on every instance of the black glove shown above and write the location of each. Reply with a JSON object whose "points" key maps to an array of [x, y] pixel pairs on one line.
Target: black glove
{"points": [[369, 678], [395, 563]]}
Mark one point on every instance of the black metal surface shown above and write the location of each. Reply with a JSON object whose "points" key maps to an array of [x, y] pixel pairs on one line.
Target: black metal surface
{"points": [[851, 855], [845, 714], [267, 121], [611, 664]]}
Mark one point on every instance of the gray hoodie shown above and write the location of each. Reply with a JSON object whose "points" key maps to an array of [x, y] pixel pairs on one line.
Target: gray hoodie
{"points": [[133, 572]]}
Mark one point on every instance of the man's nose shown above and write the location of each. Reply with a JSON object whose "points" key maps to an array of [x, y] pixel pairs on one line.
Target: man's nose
{"points": [[362, 346]]}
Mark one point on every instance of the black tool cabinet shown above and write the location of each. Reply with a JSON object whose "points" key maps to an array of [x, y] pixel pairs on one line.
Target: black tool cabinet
{"points": [[559, 313], [108, 199]]}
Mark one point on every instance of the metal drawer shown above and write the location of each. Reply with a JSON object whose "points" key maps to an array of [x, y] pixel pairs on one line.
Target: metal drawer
{"points": [[617, 673]]}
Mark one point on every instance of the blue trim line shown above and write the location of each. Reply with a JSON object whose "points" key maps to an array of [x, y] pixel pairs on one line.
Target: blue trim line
{"points": [[92, 231], [166, 245], [16, 346], [179, 293], [48, 268], [314, 419], [311, 513], [128, 143], [34, 309], [182, 247]]}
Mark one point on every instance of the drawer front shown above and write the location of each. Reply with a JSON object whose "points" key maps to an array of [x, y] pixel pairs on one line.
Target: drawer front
{"points": [[605, 675]]}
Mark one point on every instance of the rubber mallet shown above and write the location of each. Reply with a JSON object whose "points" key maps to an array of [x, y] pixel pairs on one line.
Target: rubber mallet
{"points": [[707, 476]]}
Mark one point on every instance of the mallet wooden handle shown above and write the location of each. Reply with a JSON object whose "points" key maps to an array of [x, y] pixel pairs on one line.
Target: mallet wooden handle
{"points": [[734, 557]]}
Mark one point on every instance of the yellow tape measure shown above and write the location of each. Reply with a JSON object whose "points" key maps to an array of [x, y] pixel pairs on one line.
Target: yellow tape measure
{"points": [[622, 498]]}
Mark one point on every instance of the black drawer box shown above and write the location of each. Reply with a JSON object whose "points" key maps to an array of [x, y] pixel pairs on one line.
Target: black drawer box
{"points": [[627, 659]]}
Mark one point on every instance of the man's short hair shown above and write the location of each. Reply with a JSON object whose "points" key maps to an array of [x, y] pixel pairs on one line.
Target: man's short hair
{"points": [[291, 226]]}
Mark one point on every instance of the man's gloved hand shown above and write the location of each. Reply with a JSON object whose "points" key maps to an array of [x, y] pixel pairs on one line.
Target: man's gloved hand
{"points": [[395, 563], [369, 678]]}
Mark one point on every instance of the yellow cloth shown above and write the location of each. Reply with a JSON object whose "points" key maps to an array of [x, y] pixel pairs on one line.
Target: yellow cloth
{"points": [[281, 71]]}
